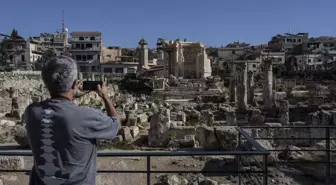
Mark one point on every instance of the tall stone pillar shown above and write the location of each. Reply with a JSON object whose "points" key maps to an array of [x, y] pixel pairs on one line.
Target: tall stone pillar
{"points": [[241, 85], [250, 87], [268, 84], [232, 85], [80, 76], [92, 76], [102, 77], [143, 58], [176, 65]]}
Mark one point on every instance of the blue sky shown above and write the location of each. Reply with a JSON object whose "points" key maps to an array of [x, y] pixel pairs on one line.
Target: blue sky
{"points": [[213, 22]]}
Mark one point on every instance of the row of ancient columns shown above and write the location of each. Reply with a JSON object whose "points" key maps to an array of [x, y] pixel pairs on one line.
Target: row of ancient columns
{"points": [[241, 89]]}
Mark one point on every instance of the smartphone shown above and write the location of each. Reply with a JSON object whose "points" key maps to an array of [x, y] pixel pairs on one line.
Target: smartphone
{"points": [[91, 85]]}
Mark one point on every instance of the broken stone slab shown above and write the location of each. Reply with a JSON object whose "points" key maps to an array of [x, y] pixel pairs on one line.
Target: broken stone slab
{"points": [[158, 134], [208, 182], [173, 180], [20, 135], [118, 138], [125, 132], [227, 137], [231, 118], [326, 117], [134, 131], [12, 163], [142, 118]]}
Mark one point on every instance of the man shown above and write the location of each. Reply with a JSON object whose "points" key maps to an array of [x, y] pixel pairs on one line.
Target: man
{"points": [[61, 134]]}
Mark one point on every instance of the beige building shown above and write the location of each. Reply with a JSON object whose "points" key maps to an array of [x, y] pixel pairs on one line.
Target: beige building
{"points": [[111, 54], [86, 49], [21, 51], [56, 41], [184, 59]]}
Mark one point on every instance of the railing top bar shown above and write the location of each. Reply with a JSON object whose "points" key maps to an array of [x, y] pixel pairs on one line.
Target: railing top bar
{"points": [[252, 141], [294, 126], [153, 153]]}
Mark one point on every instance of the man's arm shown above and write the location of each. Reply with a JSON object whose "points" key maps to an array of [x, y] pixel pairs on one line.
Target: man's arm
{"points": [[102, 126], [110, 109]]}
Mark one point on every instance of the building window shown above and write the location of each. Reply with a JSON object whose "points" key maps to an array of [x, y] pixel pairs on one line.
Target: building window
{"points": [[254, 66], [82, 69], [22, 58], [108, 70], [119, 70], [92, 38], [130, 70], [309, 60], [89, 57], [78, 57], [299, 40], [88, 45], [93, 68], [319, 60], [233, 51], [81, 38], [280, 59], [108, 56]]}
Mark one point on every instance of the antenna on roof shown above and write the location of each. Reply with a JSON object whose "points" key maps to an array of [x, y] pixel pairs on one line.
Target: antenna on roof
{"points": [[290, 31], [63, 27]]}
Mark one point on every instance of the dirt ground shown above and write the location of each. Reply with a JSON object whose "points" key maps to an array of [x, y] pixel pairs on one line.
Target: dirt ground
{"points": [[168, 163]]}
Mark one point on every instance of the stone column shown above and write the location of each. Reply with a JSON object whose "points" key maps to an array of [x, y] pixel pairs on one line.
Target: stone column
{"points": [[268, 84], [164, 62], [102, 77], [92, 76], [284, 112], [250, 87], [241, 86], [80, 76], [232, 85]]}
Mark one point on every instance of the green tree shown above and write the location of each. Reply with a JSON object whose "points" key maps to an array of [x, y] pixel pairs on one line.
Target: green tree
{"points": [[3, 57], [45, 57]]}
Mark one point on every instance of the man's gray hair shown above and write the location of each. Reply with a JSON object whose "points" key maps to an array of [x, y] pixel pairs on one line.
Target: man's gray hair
{"points": [[59, 74]]}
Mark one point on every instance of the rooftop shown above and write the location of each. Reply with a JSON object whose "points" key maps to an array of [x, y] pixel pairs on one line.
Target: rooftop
{"points": [[86, 33]]}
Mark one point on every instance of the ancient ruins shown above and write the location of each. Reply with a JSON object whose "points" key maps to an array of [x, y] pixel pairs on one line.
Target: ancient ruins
{"points": [[189, 109]]}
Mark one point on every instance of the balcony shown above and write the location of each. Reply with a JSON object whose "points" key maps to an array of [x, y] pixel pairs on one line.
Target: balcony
{"points": [[85, 49], [83, 41]]}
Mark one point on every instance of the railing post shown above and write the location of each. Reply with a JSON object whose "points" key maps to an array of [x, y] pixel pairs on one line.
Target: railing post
{"points": [[148, 170], [239, 159], [328, 173], [265, 179]]}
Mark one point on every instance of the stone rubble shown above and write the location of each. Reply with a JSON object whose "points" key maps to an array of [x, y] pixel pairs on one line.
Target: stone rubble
{"points": [[198, 113]]}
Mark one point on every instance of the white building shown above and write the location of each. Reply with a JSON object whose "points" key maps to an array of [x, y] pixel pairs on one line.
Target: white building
{"points": [[86, 49], [279, 57]]}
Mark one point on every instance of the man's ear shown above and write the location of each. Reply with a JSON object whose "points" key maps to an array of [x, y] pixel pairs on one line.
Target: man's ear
{"points": [[74, 84]]}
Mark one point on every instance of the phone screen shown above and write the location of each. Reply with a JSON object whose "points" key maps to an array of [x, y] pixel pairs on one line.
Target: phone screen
{"points": [[91, 85]]}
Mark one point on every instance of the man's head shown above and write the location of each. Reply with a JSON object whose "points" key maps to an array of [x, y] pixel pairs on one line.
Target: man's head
{"points": [[59, 74]]}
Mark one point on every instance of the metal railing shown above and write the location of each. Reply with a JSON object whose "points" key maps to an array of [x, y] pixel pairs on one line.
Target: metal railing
{"points": [[240, 171], [324, 169]]}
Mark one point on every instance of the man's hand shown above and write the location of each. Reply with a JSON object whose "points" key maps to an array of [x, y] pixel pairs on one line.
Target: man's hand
{"points": [[78, 89], [102, 90]]}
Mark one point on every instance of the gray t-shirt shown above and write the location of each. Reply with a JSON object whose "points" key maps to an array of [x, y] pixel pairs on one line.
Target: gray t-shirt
{"points": [[62, 137]]}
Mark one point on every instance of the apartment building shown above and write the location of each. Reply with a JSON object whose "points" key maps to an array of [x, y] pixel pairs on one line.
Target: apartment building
{"points": [[86, 49], [287, 42], [56, 41], [278, 57]]}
